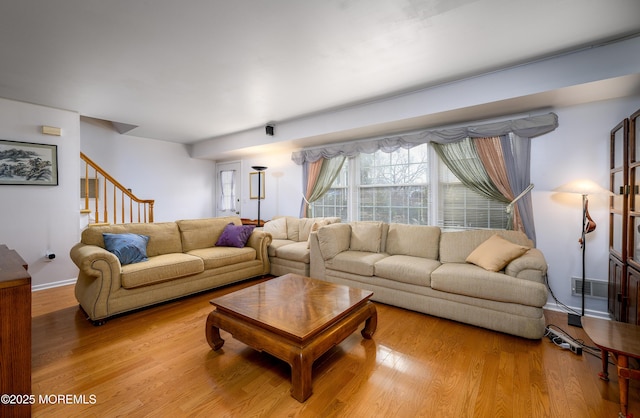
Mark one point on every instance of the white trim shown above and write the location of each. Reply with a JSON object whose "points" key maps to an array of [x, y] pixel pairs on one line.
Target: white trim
{"points": [[552, 306], [45, 286]]}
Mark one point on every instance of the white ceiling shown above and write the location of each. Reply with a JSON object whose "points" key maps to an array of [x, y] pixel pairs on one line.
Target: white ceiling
{"points": [[190, 70]]}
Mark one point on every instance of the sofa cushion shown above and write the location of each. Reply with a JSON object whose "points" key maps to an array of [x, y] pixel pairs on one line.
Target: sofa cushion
{"points": [[455, 247], [366, 236], [215, 257], [495, 253], [415, 240], [164, 237], [203, 233], [272, 249], [333, 239], [355, 262], [406, 269], [314, 228], [129, 248], [293, 228], [235, 235], [159, 269], [277, 228], [296, 251], [474, 281]]}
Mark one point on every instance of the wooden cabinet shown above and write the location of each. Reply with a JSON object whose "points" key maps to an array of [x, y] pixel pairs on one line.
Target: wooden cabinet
{"points": [[624, 221], [15, 334]]}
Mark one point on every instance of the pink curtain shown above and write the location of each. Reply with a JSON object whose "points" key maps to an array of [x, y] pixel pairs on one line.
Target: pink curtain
{"points": [[490, 152]]}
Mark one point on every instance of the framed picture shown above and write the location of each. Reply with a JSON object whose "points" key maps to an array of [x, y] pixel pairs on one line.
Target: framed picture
{"points": [[256, 183], [28, 164], [94, 185]]}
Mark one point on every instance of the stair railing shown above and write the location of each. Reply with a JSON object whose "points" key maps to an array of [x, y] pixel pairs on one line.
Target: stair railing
{"points": [[107, 198]]}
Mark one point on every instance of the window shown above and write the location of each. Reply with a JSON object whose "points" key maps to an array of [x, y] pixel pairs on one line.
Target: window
{"points": [[461, 208], [397, 187], [394, 187]]}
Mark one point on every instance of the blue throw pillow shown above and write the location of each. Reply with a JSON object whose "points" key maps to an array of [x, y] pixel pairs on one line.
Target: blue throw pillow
{"points": [[235, 235], [129, 248]]}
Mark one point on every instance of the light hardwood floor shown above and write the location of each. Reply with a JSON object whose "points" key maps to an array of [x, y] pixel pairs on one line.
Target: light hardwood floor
{"points": [[156, 363]]}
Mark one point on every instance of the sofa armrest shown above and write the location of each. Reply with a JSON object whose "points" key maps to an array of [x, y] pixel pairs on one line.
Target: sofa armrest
{"points": [[334, 239], [86, 256], [530, 266], [98, 278], [259, 241]]}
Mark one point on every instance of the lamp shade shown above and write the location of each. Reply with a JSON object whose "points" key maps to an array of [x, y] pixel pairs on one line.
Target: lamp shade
{"points": [[583, 187]]}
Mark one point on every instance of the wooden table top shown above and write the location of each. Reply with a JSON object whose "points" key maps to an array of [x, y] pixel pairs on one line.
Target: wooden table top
{"points": [[292, 305], [616, 337]]}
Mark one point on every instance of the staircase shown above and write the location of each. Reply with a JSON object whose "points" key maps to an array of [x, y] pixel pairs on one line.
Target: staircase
{"points": [[105, 201]]}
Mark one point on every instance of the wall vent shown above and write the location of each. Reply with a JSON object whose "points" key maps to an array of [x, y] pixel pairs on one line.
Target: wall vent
{"points": [[597, 289]]}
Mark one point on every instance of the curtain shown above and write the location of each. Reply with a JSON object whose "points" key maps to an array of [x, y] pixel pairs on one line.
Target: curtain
{"points": [[318, 177], [492, 157], [517, 158], [525, 127], [462, 159], [499, 169]]}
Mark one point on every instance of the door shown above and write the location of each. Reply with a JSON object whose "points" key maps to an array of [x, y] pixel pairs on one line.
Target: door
{"points": [[228, 189], [618, 212]]}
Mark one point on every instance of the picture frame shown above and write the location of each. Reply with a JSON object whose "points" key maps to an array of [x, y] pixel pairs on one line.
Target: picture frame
{"points": [[253, 184], [26, 163], [94, 187]]}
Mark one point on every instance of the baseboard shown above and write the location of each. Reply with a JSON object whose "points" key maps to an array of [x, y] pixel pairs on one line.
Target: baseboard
{"points": [[587, 312], [38, 287]]}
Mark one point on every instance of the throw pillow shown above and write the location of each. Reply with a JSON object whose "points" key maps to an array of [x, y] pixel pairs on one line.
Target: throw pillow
{"points": [[277, 228], [235, 235], [495, 253], [129, 248]]}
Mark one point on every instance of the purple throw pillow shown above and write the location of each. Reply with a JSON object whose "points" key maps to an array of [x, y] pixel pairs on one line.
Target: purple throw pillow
{"points": [[235, 235]]}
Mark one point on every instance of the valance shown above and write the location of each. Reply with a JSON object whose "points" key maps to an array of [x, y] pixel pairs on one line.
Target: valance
{"points": [[528, 127]]}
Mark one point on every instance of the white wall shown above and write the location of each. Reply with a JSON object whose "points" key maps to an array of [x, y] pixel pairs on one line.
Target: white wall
{"points": [[183, 187], [579, 148], [34, 219], [283, 187]]}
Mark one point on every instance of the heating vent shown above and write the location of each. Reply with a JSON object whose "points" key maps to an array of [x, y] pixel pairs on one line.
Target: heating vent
{"points": [[597, 289]]}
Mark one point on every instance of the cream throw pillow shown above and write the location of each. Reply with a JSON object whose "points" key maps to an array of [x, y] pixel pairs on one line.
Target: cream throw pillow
{"points": [[277, 228], [495, 253]]}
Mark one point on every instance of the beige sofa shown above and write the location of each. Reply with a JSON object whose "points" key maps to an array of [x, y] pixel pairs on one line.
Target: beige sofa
{"points": [[420, 268], [182, 259], [289, 248]]}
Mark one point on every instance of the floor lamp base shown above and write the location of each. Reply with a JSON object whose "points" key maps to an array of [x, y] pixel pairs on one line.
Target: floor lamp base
{"points": [[575, 320]]}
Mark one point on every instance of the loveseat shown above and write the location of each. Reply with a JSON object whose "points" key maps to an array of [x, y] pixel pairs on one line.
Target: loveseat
{"points": [[487, 278], [289, 248], [180, 258]]}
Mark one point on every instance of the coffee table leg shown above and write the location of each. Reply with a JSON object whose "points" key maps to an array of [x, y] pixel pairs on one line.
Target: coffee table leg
{"points": [[371, 323], [213, 332], [301, 366]]}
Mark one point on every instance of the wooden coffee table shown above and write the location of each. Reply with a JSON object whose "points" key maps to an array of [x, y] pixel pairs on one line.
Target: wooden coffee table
{"points": [[294, 318], [622, 341]]}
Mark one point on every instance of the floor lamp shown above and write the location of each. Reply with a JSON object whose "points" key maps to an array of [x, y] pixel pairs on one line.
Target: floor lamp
{"points": [[259, 169], [584, 188]]}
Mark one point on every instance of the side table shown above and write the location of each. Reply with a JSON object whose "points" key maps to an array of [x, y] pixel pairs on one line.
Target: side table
{"points": [[622, 341]]}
